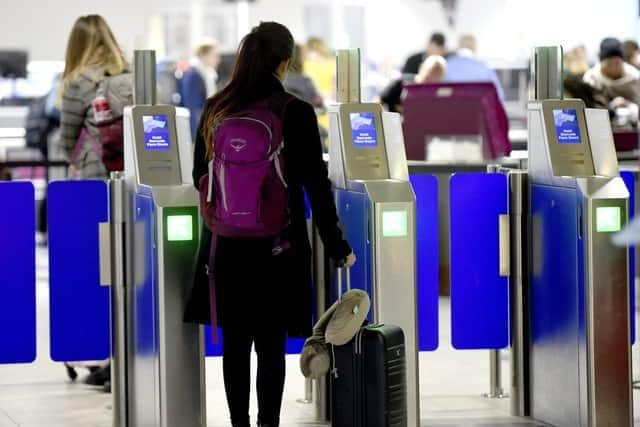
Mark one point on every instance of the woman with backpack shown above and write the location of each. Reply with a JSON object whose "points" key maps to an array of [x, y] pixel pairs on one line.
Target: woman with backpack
{"points": [[257, 151], [95, 70], [95, 86]]}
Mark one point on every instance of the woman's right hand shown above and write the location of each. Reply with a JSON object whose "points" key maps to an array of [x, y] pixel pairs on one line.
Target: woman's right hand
{"points": [[350, 260]]}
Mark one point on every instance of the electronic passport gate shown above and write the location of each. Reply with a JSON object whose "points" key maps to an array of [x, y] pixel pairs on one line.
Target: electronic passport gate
{"points": [[580, 361], [376, 205], [165, 358]]}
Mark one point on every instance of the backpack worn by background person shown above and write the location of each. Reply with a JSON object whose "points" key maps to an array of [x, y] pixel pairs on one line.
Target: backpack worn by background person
{"points": [[39, 125], [245, 193], [105, 132]]}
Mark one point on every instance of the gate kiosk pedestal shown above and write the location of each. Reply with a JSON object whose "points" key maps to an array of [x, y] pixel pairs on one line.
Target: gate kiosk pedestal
{"points": [[376, 205], [165, 358], [580, 361]]}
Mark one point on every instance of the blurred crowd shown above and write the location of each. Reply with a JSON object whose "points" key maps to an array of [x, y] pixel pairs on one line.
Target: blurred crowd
{"points": [[612, 82]]}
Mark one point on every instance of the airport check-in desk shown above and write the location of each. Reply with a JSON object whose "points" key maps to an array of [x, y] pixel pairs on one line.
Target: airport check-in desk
{"points": [[376, 205], [165, 358], [580, 361]]}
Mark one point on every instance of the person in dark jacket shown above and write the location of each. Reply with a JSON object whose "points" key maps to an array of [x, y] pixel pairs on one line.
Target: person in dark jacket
{"points": [[435, 46], [199, 82], [262, 298]]}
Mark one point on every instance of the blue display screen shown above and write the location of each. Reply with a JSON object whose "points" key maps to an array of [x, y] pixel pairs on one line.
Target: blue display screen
{"points": [[363, 129], [156, 132], [567, 127]]}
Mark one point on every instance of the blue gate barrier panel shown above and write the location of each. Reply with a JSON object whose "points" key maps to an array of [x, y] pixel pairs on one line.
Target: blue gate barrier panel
{"points": [[427, 259], [79, 306], [144, 293], [629, 179], [556, 288], [355, 219], [17, 273], [479, 295]]}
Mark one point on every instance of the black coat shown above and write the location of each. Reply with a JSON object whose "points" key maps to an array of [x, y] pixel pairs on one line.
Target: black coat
{"points": [[412, 66], [305, 171]]}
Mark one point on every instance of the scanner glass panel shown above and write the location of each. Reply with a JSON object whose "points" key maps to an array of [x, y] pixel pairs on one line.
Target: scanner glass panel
{"points": [[179, 228], [394, 223], [608, 219]]}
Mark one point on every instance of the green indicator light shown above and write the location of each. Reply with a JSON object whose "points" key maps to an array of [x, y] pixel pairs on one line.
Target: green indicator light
{"points": [[179, 228], [608, 219], [394, 223]]}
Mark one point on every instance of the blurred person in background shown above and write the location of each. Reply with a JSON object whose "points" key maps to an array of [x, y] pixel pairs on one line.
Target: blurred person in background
{"points": [[298, 83], [93, 56], [432, 70], [41, 128], [574, 66], [631, 52], [199, 82], [575, 61], [435, 46], [319, 65], [464, 66], [616, 84]]}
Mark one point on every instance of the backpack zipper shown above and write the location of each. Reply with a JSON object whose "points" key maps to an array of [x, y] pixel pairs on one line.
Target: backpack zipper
{"points": [[222, 181], [210, 183], [275, 158]]}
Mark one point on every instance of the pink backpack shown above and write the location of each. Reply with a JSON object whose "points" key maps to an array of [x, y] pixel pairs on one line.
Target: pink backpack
{"points": [[244, 194]]}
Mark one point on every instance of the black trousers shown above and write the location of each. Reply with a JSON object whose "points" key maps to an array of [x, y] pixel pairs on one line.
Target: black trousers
{"points": [[270, 348], [251, 293]]}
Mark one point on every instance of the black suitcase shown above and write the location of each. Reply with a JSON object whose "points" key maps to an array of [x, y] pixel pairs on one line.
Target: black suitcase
{"points": [[368, 382]]}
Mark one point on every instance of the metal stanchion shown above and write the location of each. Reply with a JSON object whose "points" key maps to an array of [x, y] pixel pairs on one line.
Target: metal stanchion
{"points": [[495, 376], [308, 383], [118, 301], [519, 277], [308, 392], [321, 282], [495, 368]]}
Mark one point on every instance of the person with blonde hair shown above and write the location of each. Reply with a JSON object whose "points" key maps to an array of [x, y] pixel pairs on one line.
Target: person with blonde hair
{"points": [[575, 61], [199, 82], [93, 56], [320, 66]]}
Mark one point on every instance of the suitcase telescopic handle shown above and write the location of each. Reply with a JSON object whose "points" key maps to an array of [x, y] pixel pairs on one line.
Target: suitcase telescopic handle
{"points": [[347, 272]]}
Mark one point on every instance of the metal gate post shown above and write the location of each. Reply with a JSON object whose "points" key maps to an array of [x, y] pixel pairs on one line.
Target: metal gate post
{"points": [[118, 301]]}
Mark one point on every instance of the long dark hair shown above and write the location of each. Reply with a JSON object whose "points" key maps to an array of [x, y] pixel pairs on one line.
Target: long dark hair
{"points": [[259, 55]]}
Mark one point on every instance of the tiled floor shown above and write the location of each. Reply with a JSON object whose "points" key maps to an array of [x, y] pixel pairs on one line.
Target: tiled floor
{"points": [[451, 383]]}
